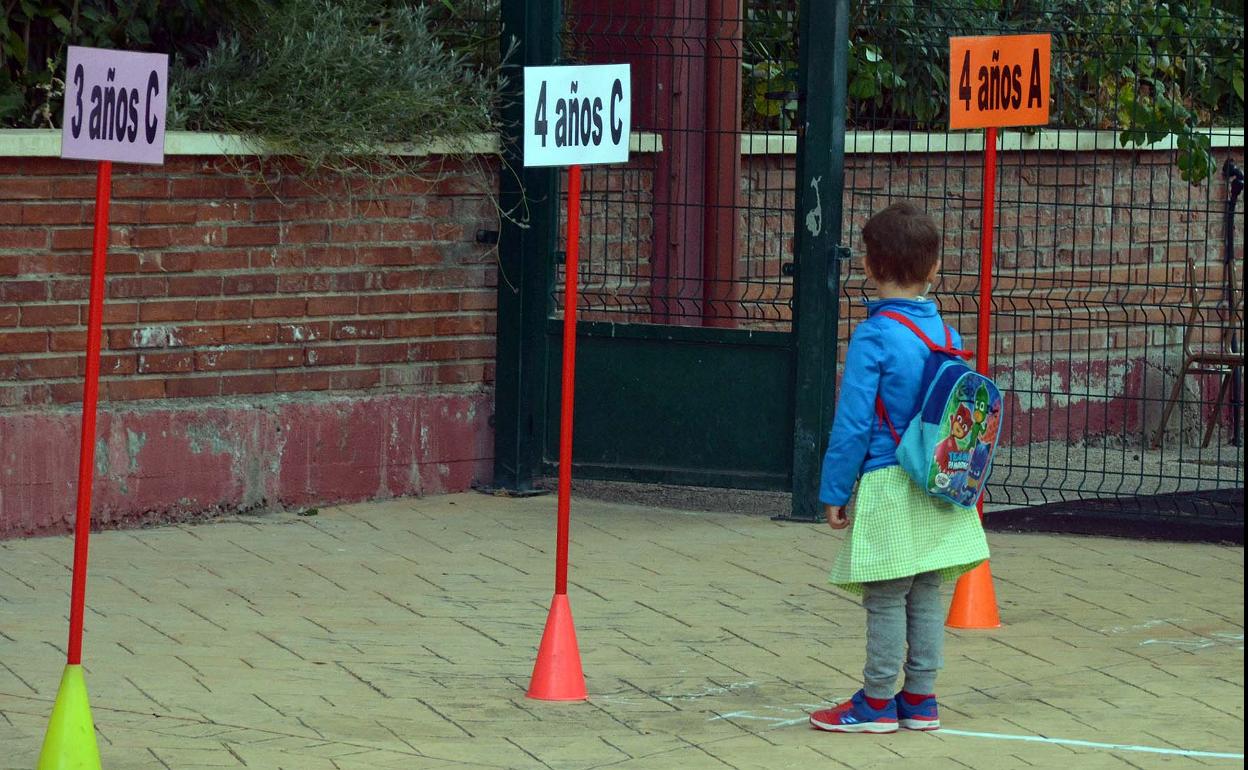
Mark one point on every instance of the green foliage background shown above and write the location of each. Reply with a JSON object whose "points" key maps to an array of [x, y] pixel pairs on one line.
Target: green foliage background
{"points": [[340, 76], [1144, 68]]}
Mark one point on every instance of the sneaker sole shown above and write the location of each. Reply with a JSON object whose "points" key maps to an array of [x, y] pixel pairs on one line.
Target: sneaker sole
{"points": [[877, 728], [921, 725]]}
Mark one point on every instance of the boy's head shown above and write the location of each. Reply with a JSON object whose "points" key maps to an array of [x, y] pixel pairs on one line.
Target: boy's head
{"points": [[903, 245]]}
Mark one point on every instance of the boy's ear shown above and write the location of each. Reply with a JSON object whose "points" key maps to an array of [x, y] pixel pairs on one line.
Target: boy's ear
{"points": [[866, 268], [931, 277]]}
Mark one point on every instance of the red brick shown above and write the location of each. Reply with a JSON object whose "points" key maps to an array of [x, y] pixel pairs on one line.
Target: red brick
{"points": [[195, 285], [478, 300], [409, 327], [49, 315], [250, 283], [138, 286], [64, 392], [459, 374], [276, 257], [247, 383], [151, 363], [354, 330], [131, 389], [323, 306], [459, 324], [358, 379], [376, 304], [172, 310], [307, 332], [121, 312], [140, 187], [276, 358], [67, 289], [356, 233], [24, 395], [217, 360], [193, 387], [19, 189], [214, 260], [282, 307], [330, 355], [9, 315], [67, 341], [406, 231], [387, 255], [251, 334], [200, 335], [426, 302], [288, 283], [23, 291], [24, 342], [329, 256], [71, 238], [306, 232], [264, 235], [384, 353], [222, 309], [23, 238], [170, 213], [9, 266], [302, 381], [114, 364]]}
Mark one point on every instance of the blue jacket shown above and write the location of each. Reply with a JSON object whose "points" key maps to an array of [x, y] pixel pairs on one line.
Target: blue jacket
{"points": [[887, 359]]}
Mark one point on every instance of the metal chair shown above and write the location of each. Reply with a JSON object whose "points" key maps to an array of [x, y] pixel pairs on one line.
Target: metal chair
{"points": [[1224, 357]]}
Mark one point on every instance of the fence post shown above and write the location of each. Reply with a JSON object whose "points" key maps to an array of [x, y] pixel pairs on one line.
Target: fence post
{"points": [[823, 36], [525, 257]]}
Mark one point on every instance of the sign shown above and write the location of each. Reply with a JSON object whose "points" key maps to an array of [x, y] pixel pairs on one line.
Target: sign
{"points": [[577, 115], [1001, 80], [115, 105]]}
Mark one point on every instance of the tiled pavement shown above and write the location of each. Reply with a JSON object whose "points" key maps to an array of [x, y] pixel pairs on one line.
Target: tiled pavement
{"points": [[402, 635]]}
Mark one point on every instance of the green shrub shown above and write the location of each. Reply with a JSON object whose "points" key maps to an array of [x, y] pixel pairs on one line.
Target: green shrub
{"points": [[329, 79]]}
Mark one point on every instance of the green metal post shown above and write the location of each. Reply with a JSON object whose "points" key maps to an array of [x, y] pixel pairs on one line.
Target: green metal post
{"points": [[823, 36], [526, 252]]}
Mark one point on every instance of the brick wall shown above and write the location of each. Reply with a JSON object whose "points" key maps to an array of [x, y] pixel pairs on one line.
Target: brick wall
{"points": [[242, 304]]}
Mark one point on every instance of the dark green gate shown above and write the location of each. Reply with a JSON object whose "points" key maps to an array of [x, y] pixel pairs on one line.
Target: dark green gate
{"points": [[707, 346]]}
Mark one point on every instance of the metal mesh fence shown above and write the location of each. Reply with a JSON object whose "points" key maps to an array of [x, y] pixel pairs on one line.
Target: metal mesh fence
{"points": [[692, 231], [1112, 269]]}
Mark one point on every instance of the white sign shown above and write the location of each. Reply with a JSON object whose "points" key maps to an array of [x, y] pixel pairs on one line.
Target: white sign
{"points": [[115, 105], [576, 115]]}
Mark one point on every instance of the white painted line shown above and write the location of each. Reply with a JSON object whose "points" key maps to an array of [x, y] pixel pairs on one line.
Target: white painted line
{"points": [[1092, 744]]}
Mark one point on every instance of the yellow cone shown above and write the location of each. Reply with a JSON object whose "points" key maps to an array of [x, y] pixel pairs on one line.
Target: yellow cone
{"points": [[70, 741]]}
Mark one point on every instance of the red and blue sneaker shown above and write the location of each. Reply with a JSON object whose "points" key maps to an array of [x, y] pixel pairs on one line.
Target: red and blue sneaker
{"points": [[917, 712], [856, 715]]}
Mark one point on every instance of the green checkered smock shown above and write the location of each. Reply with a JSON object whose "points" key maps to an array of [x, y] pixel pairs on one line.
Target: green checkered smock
{"points": [[899, 530]]}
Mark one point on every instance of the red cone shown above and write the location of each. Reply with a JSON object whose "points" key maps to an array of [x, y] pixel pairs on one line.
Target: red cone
{"points": [[557, 674], [974, 601]]}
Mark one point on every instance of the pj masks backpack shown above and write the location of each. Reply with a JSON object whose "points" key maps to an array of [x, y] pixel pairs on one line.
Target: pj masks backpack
{"points": [[947, 449]]}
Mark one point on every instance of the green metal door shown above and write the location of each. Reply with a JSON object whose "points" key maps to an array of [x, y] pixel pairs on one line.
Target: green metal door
{"points": [[706, 350]]}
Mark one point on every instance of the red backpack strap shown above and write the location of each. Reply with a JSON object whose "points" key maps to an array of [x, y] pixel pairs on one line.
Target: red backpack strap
{"points": [[882, 413], [912, 326]]}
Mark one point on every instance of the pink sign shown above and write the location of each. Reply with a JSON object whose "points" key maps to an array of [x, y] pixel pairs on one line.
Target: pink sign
{"points": [[115, 105]]}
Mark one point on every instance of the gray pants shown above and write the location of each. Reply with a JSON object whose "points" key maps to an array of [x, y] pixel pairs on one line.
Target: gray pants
{"points": [[905, 618]]}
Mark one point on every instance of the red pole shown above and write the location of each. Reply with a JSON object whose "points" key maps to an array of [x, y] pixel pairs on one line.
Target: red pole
{"points": [[90, 397], [986, 231], [569, 377], [985, 249]]}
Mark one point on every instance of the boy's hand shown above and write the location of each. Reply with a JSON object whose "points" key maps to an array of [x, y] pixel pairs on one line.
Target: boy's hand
{"points": [[836, 515]]}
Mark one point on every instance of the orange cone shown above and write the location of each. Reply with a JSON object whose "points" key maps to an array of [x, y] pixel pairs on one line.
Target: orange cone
{"points": [[557, 673], [974, 601]]}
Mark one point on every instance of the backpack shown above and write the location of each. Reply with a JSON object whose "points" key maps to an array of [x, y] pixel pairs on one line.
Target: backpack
{"points": [[947, 449]]}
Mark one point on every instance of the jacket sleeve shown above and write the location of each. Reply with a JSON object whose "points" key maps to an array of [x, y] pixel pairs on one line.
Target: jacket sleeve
{"points": [[855, 415]]}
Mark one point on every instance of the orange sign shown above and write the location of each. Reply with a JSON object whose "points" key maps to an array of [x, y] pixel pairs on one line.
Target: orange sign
{"points": [[1001, 80]]}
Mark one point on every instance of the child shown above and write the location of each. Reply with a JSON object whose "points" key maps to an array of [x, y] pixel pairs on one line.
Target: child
{"points": [[903, 542]]}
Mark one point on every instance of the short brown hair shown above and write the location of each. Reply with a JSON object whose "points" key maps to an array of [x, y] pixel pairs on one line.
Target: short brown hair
{"points": [[903, 244]]}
